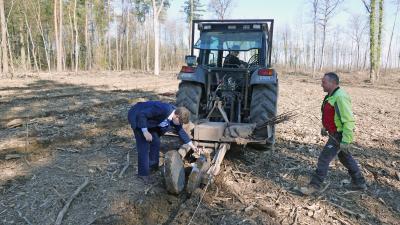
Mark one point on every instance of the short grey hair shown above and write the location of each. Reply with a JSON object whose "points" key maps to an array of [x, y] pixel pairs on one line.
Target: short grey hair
{"points": [[333, 77]]}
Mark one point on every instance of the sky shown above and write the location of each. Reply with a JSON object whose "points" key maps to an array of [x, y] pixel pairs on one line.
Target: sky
{"points": [[284, 12]]}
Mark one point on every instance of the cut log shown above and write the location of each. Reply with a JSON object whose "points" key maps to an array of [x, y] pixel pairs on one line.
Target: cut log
{"points": [[174, 172]]}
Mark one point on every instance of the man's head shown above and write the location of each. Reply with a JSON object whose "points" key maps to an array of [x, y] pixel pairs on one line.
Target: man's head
{"points": [[330, 82], [235, 53], [235, 50], [181, 116]]}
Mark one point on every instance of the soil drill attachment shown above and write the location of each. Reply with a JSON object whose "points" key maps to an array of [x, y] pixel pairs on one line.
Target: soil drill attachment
{"points": [[213, 140]]}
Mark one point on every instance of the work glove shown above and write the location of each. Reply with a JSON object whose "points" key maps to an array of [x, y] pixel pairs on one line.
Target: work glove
{"points": [[324, 132], [345, 147], [148, 136]]}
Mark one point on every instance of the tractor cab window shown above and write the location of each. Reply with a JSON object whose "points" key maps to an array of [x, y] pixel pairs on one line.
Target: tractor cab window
{"points": [[227, 41], [212, 58], [230, 50], [238, 59]]}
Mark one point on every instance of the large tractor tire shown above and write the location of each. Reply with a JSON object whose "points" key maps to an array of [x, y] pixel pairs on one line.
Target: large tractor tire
{"points": [[262, 108], [189, 95]]}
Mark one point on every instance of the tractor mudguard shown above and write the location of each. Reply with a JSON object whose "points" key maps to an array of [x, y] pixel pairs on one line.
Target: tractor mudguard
{"points": [[257, 79], [198, 76]]}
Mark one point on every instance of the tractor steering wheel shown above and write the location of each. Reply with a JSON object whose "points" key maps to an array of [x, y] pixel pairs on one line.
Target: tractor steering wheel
{"points": [[253, 60]]}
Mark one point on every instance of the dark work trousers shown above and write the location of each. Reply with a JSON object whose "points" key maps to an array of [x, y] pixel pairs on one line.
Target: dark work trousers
{"points": [[148, 152], [329, 152]]}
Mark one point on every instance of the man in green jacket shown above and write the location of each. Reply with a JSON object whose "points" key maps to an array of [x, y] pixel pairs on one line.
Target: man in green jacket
{"points": [[338, 124]]}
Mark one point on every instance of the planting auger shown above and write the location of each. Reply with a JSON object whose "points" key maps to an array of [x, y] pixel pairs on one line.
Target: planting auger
{"points": [[213, 140]]}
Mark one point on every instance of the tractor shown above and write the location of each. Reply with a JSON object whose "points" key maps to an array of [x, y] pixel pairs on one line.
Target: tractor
{"points": [[231, 91]]}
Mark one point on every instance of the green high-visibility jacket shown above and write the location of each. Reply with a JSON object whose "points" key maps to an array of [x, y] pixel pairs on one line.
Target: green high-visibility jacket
{"points": [[344, 119]]}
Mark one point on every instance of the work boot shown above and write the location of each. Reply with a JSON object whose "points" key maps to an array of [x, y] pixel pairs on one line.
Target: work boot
{"points": [[154, 169], [309, 190], [358, 184], [147, 180]]}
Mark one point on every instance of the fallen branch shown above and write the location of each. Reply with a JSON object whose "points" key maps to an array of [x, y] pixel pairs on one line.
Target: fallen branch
{"points": [[347, 210], [68, 150], [324, 189], [66, 206], [340, 220], [149, 188], [23, 217], [125, 167]]}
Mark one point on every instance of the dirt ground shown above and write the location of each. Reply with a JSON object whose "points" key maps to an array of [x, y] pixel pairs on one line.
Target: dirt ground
{"points": [[56, 130]]}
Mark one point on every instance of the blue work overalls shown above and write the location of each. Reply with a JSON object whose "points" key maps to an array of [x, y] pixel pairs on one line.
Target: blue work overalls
{"points": [[152, 115]]}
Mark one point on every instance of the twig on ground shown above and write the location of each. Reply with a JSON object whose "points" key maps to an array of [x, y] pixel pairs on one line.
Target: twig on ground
{"points": [[149, 188], [324, 189], [66, 206], [23, 217], [68, 150], [340, 220], [125, 167], [347, 210], [296, 217]]}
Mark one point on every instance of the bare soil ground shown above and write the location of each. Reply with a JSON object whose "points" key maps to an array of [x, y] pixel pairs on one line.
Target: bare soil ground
{"points": [[58, 129]]}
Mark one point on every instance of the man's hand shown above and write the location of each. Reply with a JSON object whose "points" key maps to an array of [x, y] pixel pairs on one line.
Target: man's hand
{"points": [[148, 136], [345, 147], [193, 147], [324, 132]]}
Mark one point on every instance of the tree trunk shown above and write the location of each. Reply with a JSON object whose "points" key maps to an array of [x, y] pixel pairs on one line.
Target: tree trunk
{"points": [[315, 11], [29, 53], [323, 47], [72, 40], [86, 35], [10, 52], [32, 43], [76, 40], [22, 44], [190, 25], [39, 21], [61, 51], [117, 51], [147, 50], [127, 56], [156, 27], [391, 36], [4, 38], [156, 44], [379, 45], [372, 46], [57, 37], [108, 36]]}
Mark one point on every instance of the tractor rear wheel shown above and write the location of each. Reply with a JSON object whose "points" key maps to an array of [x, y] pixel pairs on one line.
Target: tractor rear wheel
{"points": [[262, 108], [189, 95]]}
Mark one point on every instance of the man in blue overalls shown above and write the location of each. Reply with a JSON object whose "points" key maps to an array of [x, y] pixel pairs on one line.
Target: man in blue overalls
{"points": [[150, 120]]}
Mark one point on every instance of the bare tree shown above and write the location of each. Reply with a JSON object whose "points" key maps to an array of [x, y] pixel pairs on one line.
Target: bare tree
{"points": [[157, 8], [4, 37], [221, 8], [357, 30], [315, 22], [397, 4], [326, 11]]}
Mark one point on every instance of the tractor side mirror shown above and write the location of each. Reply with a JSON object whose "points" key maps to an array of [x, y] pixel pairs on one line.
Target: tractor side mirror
{"points": [[190, 60]]}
